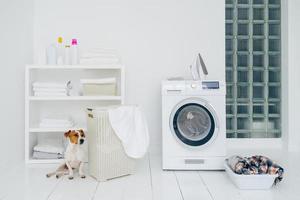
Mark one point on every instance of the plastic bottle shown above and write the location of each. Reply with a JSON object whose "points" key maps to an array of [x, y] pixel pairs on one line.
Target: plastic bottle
{"points": [[67, 55], [74, 53], [51, 55], [60, 51]]}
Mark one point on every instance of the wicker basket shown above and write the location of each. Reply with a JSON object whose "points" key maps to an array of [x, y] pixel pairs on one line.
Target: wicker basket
{"points": [[99, 87], [107, 158]]}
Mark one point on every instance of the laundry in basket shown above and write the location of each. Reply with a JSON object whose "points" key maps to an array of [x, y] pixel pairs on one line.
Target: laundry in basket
{"points": [[129, 124], [255, 172], [109, 155]]}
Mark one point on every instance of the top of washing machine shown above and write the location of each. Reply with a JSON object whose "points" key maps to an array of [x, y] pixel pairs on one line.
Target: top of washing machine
{"points": [[192, 87]]}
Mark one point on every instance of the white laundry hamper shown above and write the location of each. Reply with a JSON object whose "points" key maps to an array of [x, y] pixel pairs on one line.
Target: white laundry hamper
{"points": [[107, 158]]}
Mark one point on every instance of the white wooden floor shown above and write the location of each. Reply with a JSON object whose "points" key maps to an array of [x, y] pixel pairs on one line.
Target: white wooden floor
{"points": [[150, 182]]}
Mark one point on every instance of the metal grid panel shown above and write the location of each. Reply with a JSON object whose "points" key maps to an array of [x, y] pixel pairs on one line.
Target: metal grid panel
{"points": [[253, 68]]}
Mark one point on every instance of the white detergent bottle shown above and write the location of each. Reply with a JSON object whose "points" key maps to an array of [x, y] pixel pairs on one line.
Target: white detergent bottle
{"points": [[67, 57], [74, 53], [60, 51], [51, 55]]}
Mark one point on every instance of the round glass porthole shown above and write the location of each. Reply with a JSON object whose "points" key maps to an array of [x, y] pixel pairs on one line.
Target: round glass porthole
{"points": [[193, 124]]}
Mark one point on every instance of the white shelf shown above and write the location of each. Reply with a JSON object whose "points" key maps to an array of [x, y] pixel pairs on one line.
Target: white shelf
{"points": [[43, 161], [77, 98], [54, 130], [75, 106], [101, 66]]}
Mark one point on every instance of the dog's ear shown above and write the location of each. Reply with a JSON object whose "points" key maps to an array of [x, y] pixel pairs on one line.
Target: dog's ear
{"points": [[82, 132], [67, 133]]}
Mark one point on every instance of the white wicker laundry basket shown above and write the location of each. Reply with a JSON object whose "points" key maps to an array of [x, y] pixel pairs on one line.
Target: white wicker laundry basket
{"points": [[107, 158]]}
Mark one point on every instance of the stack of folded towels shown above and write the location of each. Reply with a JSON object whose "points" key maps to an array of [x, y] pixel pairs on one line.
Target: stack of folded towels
{"points": [[99, 56], [56, 121], [48, 148], [51, 88]]}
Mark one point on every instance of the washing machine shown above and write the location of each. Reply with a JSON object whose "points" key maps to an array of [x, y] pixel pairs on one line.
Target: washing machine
{"points": [[193, 125]]}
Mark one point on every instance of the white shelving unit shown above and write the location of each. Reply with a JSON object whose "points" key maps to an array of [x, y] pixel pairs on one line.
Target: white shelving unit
{"points": [[73, 105], [77, 98]]}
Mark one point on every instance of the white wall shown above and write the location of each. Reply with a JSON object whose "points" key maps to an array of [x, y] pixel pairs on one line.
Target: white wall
{"points": [[16, 49], [293, 72], [284, 72], [156, 39]]}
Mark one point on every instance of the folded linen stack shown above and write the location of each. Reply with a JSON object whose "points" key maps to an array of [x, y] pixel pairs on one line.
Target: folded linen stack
{"points": [[56, 122], [51, 88], [99, 56], [48, 149]]}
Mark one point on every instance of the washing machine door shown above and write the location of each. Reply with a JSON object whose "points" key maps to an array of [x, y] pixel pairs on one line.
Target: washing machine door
{"points": [[193, 123]]}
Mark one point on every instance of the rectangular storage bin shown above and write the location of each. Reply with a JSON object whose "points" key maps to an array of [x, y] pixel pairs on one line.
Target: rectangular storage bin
{"points": [[250, 182], [107, 158], [99, 87]]}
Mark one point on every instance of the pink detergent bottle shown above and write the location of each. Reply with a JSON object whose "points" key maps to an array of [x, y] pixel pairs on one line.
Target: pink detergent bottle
{"points": [[74, 52]]}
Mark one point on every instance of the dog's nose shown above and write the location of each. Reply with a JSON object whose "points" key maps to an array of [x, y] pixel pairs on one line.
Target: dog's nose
{"points": [[81, 141]]}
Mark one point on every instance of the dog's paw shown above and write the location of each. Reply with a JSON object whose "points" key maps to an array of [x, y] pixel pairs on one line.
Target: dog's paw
{"points": [[70, 177], [82, 176]]}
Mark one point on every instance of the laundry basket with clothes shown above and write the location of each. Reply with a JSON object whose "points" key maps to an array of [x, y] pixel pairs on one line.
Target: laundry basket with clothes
{"points": [[255, 172], [118, 136]]}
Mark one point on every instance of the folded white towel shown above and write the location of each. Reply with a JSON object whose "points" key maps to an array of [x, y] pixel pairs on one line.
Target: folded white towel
{"points": [[63, 122], [130, 126], [65, 84], [55, 90], [57, 118], [45, 155], [90, 61], [98, 55], [98, 81], [52, 87], [49, 94], [103, 50], [55, 121], [49, 148], [56, 125]]}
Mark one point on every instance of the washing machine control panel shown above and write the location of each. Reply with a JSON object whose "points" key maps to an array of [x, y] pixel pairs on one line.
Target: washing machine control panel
{"points": [[208, 87], [192, 87]]}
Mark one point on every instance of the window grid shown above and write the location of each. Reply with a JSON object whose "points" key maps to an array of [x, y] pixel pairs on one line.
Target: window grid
{"points": [[253, 62]]}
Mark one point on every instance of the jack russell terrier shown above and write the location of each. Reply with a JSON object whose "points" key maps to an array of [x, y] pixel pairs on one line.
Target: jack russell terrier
{"points": [[74, 155]]}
